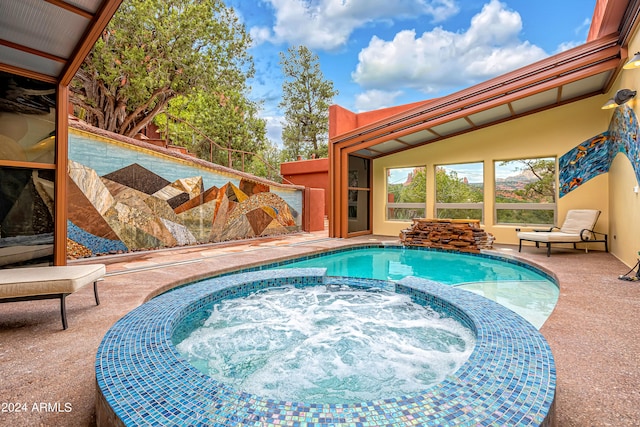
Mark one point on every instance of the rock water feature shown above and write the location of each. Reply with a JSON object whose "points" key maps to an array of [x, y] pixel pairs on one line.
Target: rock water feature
{"points": [[453, 234]]}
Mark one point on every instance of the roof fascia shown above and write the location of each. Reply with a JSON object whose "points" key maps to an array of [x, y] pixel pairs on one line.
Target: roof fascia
{"points": [[463, 112], [607, 17], [574, 59]]}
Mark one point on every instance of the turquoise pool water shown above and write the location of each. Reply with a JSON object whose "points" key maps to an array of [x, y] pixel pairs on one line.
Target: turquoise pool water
{"points": [[522, 289]]}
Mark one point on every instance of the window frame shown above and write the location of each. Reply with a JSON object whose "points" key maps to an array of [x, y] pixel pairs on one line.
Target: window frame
{"points": [[403, 205], [460, 205], [544, 206]]}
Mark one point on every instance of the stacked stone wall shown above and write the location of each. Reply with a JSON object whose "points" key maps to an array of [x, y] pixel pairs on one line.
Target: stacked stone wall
{"points": [[450, 234]]}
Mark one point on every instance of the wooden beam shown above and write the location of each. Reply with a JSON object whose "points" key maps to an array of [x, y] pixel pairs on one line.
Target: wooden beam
{"points": [[28, 73], [91, 35], [60, 189], [32, 51], [71, 8]]}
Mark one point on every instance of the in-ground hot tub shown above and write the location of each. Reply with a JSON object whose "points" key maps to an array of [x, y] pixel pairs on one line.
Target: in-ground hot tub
{"points": [[509, 379]]}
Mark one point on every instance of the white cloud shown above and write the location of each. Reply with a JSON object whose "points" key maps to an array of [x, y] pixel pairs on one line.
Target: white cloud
{"points": [[328, 24], [259, 35], [274, 129], [440, 60], [581, 32], [375, 99]]}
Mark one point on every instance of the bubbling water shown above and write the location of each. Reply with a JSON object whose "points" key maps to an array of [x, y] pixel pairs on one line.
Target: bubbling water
{"points": [[322, 345]]}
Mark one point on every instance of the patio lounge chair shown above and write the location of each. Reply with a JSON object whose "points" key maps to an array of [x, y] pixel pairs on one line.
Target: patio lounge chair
{"points": [[36, 283], [577, 228]]}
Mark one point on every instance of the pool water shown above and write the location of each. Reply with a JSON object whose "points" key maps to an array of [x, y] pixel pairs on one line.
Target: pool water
{"points": [[327, 344], [523, 290]]}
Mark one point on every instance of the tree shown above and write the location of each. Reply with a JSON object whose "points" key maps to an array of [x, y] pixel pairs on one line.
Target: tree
{"points": [[542, 188], [217, 127], [266, 163], [153, 51], [415, 191], [452, 189], [306, 97]]}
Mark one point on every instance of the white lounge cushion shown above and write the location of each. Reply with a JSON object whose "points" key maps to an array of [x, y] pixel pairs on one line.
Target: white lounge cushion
{"points": [[549, 236], [19, 282], [580, 219]]}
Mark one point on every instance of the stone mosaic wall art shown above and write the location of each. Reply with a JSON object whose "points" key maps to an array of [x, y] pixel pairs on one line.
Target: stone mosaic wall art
{"points": [[135, 209], [594, 156]]}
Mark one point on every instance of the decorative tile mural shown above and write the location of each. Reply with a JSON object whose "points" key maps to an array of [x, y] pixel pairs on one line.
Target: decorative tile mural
{"points": [[134, 208], [594, 156]]}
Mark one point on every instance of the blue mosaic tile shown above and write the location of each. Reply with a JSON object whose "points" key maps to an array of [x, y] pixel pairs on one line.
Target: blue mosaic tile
{"points": [[509, 378], [94, 243]]}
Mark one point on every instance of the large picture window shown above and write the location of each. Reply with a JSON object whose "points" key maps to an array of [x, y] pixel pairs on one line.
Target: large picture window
{"points": [[27, 170], [460, 191], [27, 120], [406, 193], [526, 191]]}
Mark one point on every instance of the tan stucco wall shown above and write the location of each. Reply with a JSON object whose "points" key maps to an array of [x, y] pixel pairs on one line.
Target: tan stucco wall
{"points": [[549, 133], [624, 204], [624, 208]]}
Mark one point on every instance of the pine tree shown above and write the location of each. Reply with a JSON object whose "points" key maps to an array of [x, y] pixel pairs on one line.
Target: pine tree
{"points": [[306, 97]]}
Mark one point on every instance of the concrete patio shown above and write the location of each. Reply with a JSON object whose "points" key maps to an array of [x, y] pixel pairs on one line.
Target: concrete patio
{"points": [[48, 373]]}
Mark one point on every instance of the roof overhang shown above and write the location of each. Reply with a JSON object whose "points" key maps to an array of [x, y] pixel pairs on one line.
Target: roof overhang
{"points": [[575, 74], [49, 39]]}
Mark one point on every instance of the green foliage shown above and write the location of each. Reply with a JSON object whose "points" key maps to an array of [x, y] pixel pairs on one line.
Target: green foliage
{"points": [[154, 51], [266, 164], [230, 127], [306, 97], [522, 216], [416, 190], [452, 189]]}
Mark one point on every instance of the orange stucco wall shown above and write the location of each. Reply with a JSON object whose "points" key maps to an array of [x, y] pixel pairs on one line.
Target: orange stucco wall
{"points": [[314, 206], [342, 120], [313, 173]]}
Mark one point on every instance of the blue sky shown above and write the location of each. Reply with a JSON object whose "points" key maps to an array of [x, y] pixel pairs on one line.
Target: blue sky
{"points": [[381, 53]]}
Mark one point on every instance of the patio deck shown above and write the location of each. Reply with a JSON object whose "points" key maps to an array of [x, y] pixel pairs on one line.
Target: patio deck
{"points": [[49, 373]]}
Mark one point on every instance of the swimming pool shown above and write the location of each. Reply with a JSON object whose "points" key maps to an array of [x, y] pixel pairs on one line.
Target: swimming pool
{"points": [[520, 287], [509, 379]]}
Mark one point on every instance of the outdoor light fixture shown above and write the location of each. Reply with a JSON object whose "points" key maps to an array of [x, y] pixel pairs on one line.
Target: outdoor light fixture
{"points": [[621, 96], [633, 62]]}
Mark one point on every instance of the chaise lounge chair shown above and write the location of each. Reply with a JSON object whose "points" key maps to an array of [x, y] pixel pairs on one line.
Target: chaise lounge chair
{"points": [[36, 283], [577, 228]]}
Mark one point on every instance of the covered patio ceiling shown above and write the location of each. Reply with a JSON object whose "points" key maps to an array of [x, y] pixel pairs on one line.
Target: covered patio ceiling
{"points": [[584, 71], [49, 39]]}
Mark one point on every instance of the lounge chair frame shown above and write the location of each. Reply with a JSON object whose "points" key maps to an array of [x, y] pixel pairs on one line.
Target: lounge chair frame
{"points": [[63, 306], [586, 235], [50, 282]]}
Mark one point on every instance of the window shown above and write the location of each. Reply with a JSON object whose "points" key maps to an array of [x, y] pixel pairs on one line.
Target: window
{"points": [[27, 120], [460, 191], [359, 190], [27, 170], [526, 191], [406, 193]]}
